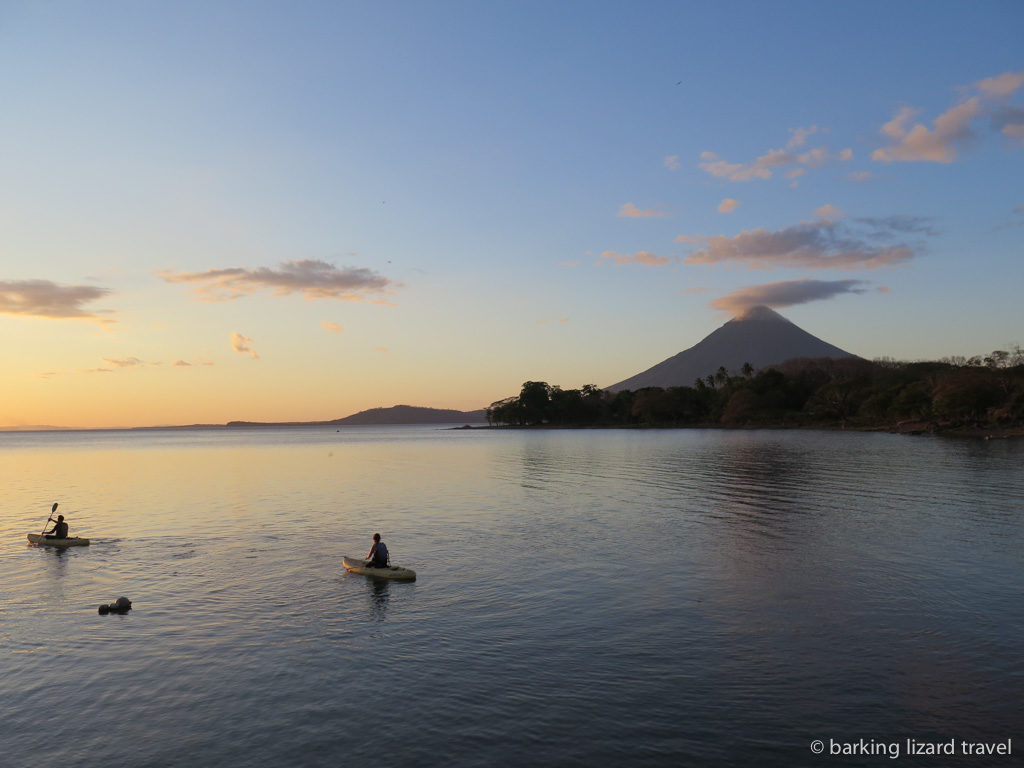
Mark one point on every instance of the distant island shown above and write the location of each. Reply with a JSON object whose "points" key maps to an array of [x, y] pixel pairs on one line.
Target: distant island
{"points": [[395, 415]]}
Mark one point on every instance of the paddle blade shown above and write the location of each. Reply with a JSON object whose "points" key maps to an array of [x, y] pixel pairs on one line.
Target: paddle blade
{"points": [[53, 508]]}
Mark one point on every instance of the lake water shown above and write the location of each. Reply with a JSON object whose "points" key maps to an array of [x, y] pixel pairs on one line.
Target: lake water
{"points": [[585, 598]]}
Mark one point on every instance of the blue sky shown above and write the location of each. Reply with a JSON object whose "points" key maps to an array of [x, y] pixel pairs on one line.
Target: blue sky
{"points": [[431, 203]]}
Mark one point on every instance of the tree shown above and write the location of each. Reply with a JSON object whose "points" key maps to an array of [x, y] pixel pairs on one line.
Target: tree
{"points": [[534, 399]]}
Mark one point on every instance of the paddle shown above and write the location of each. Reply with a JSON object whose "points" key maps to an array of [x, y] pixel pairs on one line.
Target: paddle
{"points": [[49, 519]]}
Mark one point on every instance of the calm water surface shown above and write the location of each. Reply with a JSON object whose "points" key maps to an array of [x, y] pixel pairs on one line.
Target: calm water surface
{"points": [[585, 598]]}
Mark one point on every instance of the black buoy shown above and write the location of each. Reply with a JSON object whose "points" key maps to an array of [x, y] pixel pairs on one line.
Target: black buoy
{"points": [[121, 605]]}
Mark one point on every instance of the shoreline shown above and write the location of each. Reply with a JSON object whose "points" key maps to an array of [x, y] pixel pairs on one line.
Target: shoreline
{"points": [[972, 433]]}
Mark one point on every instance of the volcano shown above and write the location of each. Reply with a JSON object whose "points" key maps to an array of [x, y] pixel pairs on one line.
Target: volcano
{"points": [[759, 336]]}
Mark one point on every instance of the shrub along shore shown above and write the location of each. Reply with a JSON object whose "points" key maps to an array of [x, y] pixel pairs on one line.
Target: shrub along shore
{"points": [[981, 396]]}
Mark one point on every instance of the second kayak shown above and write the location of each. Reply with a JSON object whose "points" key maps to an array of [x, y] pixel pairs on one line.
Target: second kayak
{"points": [[357, 565], [71, 541]]}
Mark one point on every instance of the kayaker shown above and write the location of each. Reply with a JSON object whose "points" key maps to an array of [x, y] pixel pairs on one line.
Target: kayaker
{"points": [[60, 529], [378, 557]]}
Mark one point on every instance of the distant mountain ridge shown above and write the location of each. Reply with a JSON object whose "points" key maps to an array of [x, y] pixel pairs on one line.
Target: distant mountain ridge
{"points": [[396, 414], [759, 336]]}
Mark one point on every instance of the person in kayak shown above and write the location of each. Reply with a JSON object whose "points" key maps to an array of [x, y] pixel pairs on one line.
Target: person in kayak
{"points": [[60, 529], [378, 557]]}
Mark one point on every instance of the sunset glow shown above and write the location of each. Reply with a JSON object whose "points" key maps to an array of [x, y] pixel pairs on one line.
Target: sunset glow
{"points": [[216, 212]]}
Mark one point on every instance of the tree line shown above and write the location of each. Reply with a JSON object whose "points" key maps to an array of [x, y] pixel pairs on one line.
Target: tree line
{"points": [[978, 392]]}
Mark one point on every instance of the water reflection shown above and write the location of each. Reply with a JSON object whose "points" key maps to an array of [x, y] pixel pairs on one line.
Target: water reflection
{"points": [[379, 591]]}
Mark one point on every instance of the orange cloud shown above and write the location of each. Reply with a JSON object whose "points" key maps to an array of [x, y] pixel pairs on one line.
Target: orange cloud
{"points": [[125, 362], [728, 205], [954, 128], [774, 159], [645, 258], [313, 278], [43, 298], [821, 244], [241, 343], [331, 327], [630, 211], [785, 294], [828, 211]]}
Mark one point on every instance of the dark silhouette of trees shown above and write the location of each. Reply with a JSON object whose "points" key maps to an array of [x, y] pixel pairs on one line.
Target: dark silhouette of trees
{"points": [[956, 392]]}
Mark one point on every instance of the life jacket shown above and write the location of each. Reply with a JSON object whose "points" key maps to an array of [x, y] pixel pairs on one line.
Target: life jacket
{"points": [[60, 530], [380, 554]]}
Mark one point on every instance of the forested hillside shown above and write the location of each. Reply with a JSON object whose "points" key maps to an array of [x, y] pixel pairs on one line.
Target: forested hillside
{"points": [[953, 394]]}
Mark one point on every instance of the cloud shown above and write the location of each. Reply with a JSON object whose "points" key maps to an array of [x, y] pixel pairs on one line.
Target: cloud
{"points": [[313, 278], [1014, 132], [774, 159], [1001, 86], [728, 205], [331, 327], [125, 362], [182, 363], [42, 298], [1018, 208], [884, 226], [954, 129], [241, 343], [820, 244], [859, 176], [937, 145], [630, 211], [786, 294], [828, 211], [645, 258], [799, 137], [672, 162]]}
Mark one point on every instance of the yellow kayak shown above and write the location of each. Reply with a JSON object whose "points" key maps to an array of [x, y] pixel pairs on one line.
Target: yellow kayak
{"points": [[358, 565], [71, 541]]}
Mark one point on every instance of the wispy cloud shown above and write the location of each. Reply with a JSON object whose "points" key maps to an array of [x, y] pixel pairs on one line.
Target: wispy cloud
{"points": [[891, 226], [672, 162], [859, 176], [241, 344], [821, 244], [126, 362], [774, 160], [955, 128], [728, 205], [630, 211], [646, 258], [331, 327], [829, 212], [43, 298], [786, 293], [313, 278]]}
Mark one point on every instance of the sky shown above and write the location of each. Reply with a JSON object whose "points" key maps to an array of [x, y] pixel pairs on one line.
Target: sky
{"points": [[276, 211]]}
